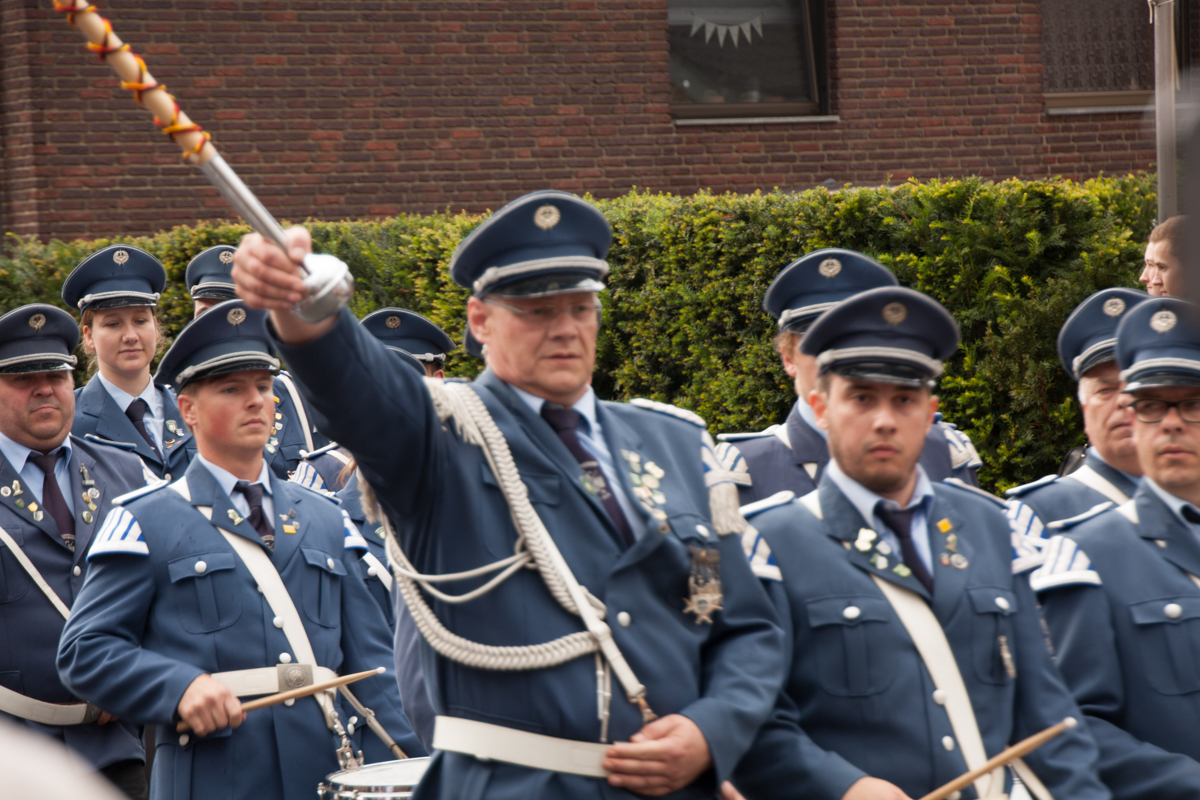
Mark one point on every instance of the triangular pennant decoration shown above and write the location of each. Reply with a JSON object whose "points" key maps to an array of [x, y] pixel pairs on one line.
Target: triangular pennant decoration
{"points": [[696, 23], [709, 27], [742, 29], [733, 34]]}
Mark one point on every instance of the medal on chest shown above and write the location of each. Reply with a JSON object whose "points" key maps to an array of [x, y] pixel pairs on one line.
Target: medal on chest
{"points": [[704, 584]]}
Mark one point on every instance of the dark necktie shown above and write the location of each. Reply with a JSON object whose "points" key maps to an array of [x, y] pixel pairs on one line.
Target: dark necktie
{"points": [[901, 524], [253, 493], [1191, 515], [52, 498], [136, 411], [565, 421]]}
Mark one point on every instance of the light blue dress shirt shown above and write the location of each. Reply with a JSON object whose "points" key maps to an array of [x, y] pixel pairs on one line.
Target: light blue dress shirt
{"points": [[32, 475], [810, 416], [227, 480], [1176, 504], [154, 418], [867, 501], [592, 438]]}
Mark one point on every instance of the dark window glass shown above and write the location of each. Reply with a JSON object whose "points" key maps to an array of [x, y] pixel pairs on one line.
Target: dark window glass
{"points": [[1097, 46], [743, 59]]}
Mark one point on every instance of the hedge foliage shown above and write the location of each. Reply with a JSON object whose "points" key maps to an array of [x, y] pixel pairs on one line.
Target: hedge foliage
{"points": [[683, 320]]}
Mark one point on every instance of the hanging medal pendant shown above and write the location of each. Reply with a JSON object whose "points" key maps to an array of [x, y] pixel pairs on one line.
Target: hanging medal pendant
{"points": [[704, 584]]}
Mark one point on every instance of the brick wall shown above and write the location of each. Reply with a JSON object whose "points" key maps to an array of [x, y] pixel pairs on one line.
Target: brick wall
{"points": [[342, 109]]}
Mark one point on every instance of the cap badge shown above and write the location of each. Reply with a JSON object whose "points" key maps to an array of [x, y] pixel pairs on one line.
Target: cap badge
{"points": [[1114, 307], [37, 321], [1163, 321], [121, 256], [236, 316], [830, 267], [894, 313], [547, 217], [393, 322], [226, 256]]}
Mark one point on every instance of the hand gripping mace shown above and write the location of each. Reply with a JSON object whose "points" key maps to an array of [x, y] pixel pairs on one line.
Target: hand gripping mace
{"points": [[329, 281]]}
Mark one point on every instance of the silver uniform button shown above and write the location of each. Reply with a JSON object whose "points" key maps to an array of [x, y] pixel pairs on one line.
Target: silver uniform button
{"points": [[278, 622], [939, 697], [703, 531], [623, 619], [1002, 604], [948, 742], [1173, 610], [954, 796], [201, 567], [852, 612], [167, 477], [285, 658], [371, 572], [290, 703], [77, 572], [329, 563], [184, 740]]}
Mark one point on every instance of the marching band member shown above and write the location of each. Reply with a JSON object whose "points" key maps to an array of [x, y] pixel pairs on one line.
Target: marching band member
{"points": [[55, 491], [684, 630], [792, 456], [1110, 471], [916, 653], [226, 583], [208, 281], [1119, 586], [116, 291]]}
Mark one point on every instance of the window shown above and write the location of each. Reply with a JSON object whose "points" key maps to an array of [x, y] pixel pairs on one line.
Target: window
{"points": [[751, 59], [1100, 53]]}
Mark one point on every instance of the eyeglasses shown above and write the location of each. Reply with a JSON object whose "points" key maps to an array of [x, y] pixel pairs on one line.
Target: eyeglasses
{"points": [[1149, 410], [545, 316]]}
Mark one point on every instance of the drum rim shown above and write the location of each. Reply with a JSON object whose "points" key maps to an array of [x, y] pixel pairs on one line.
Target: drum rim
{"points": [[333, 779]]}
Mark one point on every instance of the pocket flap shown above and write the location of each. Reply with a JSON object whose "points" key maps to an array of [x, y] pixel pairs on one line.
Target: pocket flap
{"points": [[1165, 609], [322, 560], [848, 610], [199, 565], [993, 600], [544, 489]]}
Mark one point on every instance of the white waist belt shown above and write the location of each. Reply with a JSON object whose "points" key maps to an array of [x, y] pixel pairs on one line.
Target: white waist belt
{"points": [[497, 743], [269, 680], [46, 713]]}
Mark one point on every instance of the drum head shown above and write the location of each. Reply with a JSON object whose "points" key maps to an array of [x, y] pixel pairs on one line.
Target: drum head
{"points": [[386, 779]]}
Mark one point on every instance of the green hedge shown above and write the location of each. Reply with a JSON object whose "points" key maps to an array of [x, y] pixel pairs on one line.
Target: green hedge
{"points": [[683, 320]]}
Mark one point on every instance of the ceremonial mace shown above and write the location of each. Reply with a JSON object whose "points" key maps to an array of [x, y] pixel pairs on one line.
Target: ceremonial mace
{"points": [[328, 280]]}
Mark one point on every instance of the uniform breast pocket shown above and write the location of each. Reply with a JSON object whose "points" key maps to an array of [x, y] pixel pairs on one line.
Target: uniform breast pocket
{"points": [[852, 637], [206, 589], [14, 580], [323, 575], [992, 640], [1168, 642]]}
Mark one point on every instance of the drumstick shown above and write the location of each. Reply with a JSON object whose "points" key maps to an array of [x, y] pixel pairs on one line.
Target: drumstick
{"points": [[1011, 754], [303, 691]]}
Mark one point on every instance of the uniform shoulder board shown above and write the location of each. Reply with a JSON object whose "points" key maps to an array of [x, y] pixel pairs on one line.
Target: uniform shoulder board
{"points": [[1027, 553], [319, 451], [321, 493], [91, 437], [774, 501], [1023, 521], [1017, 491], [1070, 522], [962, 449], [966, 487], [307, 476], [354, 539], [669, 410], [1064, 564], [740, 437], [730, 465], [129, 497], [120, 535]]}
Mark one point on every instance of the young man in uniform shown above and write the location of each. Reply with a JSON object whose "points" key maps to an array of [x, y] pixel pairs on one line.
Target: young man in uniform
{"points": [[792, 456], [917, 654], [294, 434], [611, 499], [1109, 472], [1163, 272], [227, 583], [55, 492], [1119, 588]]}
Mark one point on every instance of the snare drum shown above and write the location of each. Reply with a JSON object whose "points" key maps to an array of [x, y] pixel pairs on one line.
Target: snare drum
{"points": [[389, 780]]}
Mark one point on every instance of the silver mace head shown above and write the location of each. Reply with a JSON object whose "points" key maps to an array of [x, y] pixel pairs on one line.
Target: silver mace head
{"points": [[327, 277]]}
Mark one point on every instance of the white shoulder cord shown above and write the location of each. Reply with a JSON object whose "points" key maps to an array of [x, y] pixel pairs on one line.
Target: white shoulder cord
{"points": [[475, 425]]}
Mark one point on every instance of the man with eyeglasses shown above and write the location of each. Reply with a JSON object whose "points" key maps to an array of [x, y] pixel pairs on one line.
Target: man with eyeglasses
{"points": [[642, 603], [1120, 589]]}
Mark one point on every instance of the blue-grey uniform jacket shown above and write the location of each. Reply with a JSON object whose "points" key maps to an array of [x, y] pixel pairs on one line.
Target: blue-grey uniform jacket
{"points": [[98, 414], [29, 624], [452, 517], [1124, 616], [287, 442], [859, 700], [797, 464], [1058, 497], [168, 599]]}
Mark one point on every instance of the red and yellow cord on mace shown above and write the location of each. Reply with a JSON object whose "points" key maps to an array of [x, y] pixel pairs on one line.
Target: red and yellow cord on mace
{"points": [[328, 279]]}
